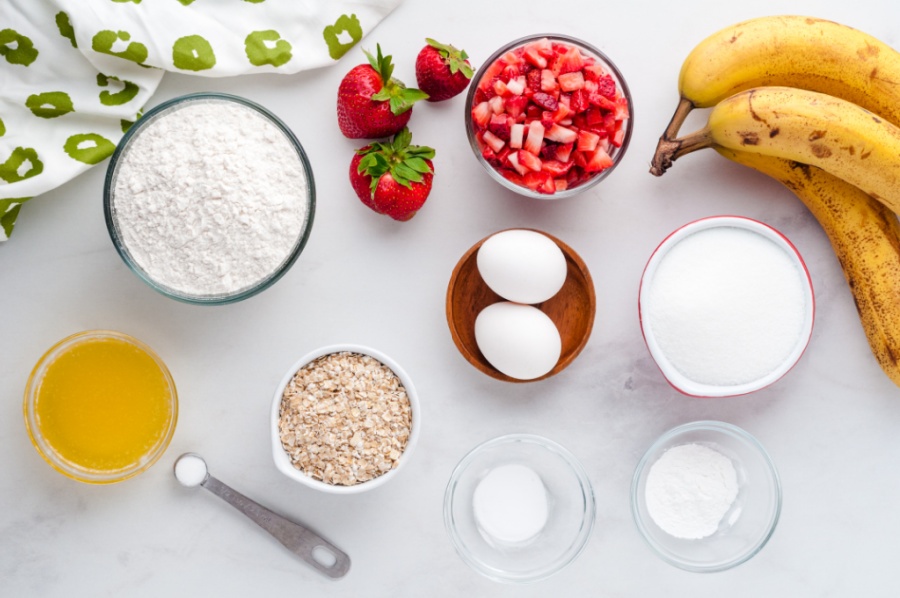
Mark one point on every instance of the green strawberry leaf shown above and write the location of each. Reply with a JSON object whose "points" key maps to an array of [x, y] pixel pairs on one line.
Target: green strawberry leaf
{"points": [[400, 97], [405, 162], [454, 57]]}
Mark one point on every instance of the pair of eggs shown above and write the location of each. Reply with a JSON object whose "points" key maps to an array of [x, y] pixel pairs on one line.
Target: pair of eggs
{"points": [[525, 268]]}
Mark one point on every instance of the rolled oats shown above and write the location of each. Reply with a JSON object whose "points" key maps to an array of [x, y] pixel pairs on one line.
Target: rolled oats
{"points": [[345, 418]]}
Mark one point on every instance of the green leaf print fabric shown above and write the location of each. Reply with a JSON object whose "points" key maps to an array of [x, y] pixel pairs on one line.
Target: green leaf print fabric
{"points": [[75, 74]]}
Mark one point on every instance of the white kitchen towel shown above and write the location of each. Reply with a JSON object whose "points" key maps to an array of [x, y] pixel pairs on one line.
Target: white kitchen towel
{"points": [[75, 74]]}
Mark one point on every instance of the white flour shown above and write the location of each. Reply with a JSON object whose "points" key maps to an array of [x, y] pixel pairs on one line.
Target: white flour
{"points": [[210, 198], [689, 489], [726, 306]]}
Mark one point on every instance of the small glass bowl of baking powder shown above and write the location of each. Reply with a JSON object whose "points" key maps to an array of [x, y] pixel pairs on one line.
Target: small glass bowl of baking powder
{"points": [[726, 306], [519, 508], [706, 496], [209, 198]]}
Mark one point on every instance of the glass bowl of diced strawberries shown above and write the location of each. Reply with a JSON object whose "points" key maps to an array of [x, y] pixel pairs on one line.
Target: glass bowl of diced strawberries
{"points": [[549, 116]]}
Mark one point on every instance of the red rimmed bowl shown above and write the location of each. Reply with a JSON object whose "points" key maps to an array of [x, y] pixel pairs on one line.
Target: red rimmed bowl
{"points": [[681, 371]]}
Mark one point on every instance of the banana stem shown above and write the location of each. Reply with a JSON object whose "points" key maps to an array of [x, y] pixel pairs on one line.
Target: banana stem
{"points": [[669, 150], [681, 112]]}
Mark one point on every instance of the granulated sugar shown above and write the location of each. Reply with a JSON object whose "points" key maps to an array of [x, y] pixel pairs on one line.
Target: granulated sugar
{"points": [[210, 198], [726, 306]]}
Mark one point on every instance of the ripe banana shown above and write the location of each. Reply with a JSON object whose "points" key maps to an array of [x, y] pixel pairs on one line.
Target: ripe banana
{"points": [[865, 236], [808, 127], [792, 51]]}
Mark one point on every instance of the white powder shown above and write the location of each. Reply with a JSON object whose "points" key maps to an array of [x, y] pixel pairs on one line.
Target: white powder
{"points": [[726, 306], [210, 198], [689, 489], [190, 470], [510, 504]]}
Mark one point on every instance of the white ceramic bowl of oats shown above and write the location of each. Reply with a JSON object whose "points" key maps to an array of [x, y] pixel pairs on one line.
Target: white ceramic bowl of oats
{"points": [[344, 419]]}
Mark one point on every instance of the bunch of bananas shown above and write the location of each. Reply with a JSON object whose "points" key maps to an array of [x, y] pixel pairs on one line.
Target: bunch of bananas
{"points": [[816, 106]]}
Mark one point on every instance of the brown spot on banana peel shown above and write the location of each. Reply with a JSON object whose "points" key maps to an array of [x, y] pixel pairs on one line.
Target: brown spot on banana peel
{"points": [[749, 137], [820, 150], [774, 132], [816, 135]]}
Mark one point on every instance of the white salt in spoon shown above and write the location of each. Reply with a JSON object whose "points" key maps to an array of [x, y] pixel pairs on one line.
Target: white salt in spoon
{"points": [[322, 555]]}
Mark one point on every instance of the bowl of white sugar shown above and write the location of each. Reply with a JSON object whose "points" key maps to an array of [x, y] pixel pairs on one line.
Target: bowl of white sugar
{"points": [[209, 198], [519, 508], [706, 496], [726, 306]]}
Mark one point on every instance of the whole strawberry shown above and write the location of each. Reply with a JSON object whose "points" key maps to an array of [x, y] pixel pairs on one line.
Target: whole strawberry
{"points": [[393, 178], [442, 71], [371, 103]]}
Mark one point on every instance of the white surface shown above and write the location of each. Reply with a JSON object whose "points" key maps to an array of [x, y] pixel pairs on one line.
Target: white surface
{"points": [[831, 425]]}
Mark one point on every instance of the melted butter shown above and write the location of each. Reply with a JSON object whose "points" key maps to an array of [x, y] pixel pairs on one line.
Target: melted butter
{"points": [[104, 404]]}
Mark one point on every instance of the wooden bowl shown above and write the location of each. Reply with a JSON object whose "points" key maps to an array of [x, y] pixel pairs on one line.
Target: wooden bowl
{"points": [[571, 309]]}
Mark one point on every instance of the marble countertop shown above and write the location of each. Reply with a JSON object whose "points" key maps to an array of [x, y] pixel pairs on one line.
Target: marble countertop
{"points": [[831, 425]]}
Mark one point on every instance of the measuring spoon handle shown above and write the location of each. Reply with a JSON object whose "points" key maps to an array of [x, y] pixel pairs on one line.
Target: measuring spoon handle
{"points": [[315, 550]]}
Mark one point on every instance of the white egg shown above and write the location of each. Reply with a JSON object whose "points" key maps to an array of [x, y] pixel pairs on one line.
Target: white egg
{"points": [[522, 266], [520, 341]]}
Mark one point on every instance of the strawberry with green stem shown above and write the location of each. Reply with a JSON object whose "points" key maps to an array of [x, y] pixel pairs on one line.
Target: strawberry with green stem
{"points": [[393, 178], [442, 71], [371, 103]]}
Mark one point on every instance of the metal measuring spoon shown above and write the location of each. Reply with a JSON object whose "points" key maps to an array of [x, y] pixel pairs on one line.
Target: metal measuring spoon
{"points": [[322, 555]]}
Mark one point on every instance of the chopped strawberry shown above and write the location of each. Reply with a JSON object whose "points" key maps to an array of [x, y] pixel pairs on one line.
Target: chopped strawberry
{"points": [[593, 72], [556, 168], [564, 151], [587, 141], [529, 160], [533, 80], [516, 86], [561, 113], [497, 104], [579, 101], [532, 55], [515, 106], [512, 176], [561, 185], [500, 125], [499, 87], [548, 81], [560, 134], [516, 135], [602, 102], [599, 160], [571, 81], [481, 114], [621, 109], [545, 100], [534, 138], [541, 182], [594, 117], [619, 137], [570, 62], [607, 87], [519, 167], [494, 142], [488, 154]]}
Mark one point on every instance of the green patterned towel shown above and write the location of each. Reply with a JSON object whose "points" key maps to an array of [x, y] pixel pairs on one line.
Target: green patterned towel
{"points": [[76, 73]]}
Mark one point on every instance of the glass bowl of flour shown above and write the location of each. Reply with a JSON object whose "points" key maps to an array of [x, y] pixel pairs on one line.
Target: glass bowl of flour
{"points": [[706, 496], [209, 198], [519, 508]]}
